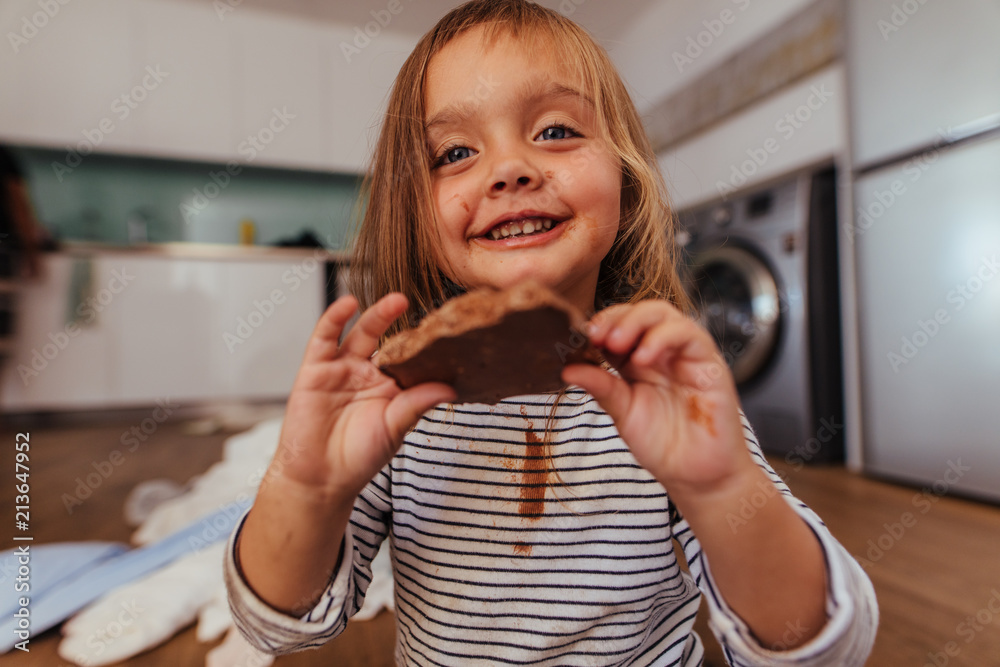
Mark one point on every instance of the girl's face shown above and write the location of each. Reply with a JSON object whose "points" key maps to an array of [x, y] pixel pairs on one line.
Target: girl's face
{"points": [[523, 184]]}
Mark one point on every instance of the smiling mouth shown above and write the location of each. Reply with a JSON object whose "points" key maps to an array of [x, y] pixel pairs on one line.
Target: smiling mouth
{"points": [[523, 227]]}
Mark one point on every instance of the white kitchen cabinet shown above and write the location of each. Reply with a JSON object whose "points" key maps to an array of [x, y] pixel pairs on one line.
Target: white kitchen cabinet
{"points": [[361, 85], [178, 80], [921, 74], [62, 354], [164, 324], [264, 326], [160, 326], [10, 68], [147, 77], [190, 114], [280, 90], [62, 86]]}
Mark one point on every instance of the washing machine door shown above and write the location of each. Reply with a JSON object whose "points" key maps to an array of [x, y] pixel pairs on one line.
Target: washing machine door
{"points": [[739, 303]]}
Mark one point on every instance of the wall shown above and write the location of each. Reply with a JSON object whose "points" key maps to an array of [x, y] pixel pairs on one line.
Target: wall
{"points": [[656, 55], [184, 201], [672, 43], [802, 125]]}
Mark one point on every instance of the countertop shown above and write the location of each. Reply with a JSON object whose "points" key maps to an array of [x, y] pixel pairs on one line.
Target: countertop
{"points": [[213, 251]]}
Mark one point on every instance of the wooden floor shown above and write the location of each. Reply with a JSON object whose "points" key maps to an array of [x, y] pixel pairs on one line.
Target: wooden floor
{"points": [[935, 577]]}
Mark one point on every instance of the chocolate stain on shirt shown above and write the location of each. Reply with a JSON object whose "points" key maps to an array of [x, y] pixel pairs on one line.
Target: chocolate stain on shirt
{"points": [[698, 414], [534, 481], [534, 478]]}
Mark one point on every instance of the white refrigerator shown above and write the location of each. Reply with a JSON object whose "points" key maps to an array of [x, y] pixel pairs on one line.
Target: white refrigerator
{"points": [[924, 80]]}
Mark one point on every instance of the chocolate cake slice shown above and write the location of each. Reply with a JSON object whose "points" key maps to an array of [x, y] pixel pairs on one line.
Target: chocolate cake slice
{"points": [[490, 344]]}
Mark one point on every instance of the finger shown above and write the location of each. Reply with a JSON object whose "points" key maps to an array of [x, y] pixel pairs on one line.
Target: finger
{"points": [[628, 330], [705, 375], [362, 339], [611, 391], [680, 350], [407, 406], [679, 337], [693, 361], [326, 335], [603, 321]]}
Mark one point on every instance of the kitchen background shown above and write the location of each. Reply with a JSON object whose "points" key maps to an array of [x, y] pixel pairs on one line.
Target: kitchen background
{"points": [[845, 153], [146, 129]]}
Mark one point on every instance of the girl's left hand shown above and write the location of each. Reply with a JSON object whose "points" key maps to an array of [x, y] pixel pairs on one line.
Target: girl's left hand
{"points": [[675, 402]]}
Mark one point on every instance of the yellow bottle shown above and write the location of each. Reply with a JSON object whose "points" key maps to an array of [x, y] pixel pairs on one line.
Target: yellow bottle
{"points": [[247, 232]]}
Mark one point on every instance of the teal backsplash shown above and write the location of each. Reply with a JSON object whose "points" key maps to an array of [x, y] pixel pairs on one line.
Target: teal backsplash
{"points": [[181, 201]]}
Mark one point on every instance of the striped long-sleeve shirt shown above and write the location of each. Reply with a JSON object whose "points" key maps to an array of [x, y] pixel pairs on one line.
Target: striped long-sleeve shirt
{"points": [[510, 550]]}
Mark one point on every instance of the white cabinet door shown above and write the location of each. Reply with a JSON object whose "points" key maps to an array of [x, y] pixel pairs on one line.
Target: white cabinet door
{"points": [[69, 77], [264, 325], [176, 79], [361, 83], [165, 324], [190, 113], [918, 70], [194, 330], [279, 90], [157, 327], [64, 347], [927, 243]]}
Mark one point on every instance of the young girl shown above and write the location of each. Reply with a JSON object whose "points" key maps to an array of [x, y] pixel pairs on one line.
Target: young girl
{"points": [[535, 531]]}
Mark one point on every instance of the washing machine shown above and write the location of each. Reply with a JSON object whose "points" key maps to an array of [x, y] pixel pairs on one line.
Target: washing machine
{"points": [[761, 267]]}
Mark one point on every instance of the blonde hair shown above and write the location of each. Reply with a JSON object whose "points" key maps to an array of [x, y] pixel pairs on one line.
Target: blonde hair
{"points": [[394, 250]]}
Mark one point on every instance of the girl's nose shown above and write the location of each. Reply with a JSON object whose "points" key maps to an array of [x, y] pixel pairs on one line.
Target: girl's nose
{"points": [[511, 173]]}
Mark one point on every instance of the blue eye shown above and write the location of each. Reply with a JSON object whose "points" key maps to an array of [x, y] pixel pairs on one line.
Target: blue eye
{"points": [[556, 132], [455, 154]]}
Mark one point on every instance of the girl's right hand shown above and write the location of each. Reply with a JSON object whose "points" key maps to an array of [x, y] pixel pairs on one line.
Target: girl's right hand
{"points": [[345, 419]]}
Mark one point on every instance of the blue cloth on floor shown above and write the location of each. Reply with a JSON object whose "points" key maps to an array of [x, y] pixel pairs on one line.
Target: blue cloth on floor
{"points": [[49, 567], [50, 606]]}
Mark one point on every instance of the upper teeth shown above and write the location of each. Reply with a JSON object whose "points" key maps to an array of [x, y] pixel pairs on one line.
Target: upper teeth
{"points": [[521, 227]]}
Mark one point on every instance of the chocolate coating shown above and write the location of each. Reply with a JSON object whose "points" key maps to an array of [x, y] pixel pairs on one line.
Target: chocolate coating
{"points": [[490, 344]]}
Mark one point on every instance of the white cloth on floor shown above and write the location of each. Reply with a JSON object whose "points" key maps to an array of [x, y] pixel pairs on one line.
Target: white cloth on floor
{"points": [[147, 496], [147, 612], [140, 615], [236, 652], [245, 458], [214, 618]]}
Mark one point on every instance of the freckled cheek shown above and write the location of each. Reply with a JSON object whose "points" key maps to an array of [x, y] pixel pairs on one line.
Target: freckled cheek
{"points": [[455, 203], [448, 212], [603, 201]]}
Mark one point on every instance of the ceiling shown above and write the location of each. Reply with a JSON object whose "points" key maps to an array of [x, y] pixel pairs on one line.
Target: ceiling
{"points": [[606, 19]]}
